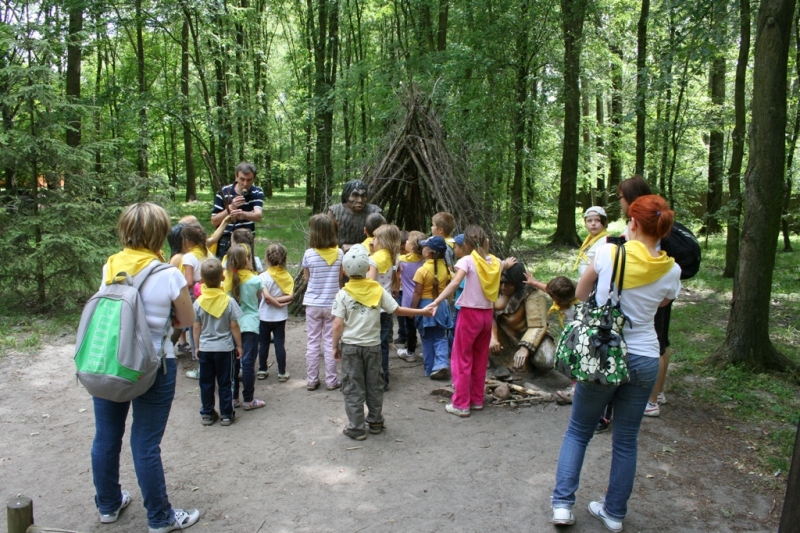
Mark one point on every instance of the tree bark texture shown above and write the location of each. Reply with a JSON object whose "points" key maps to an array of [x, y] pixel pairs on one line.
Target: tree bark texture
{"points": [[518, 127], [144, 135], [716, 145], [188, 149], [615, 146], [747, 338], [573, 13], [641, 85], [738, 138], [787, 243], [73, 88]]}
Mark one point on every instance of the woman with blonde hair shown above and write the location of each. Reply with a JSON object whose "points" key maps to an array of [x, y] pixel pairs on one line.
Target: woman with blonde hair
{"points": [[142, 230]]}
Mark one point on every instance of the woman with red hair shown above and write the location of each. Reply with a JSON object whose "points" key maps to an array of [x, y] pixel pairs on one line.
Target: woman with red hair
{"points": [[652, 279]]}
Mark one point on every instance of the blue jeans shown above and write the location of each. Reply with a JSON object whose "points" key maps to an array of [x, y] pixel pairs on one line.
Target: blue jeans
{"points": [[150, 415], [248, 366], [386, 332], [217, 366], [588, 404], [276, 330], [435, 348]]}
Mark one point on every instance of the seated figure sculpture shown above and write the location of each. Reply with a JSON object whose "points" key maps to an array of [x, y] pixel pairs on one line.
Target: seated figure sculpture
{"points": [[520, 338]]}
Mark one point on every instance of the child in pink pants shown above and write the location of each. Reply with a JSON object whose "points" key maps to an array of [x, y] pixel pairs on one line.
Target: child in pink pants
{"points": [[481, 270]]}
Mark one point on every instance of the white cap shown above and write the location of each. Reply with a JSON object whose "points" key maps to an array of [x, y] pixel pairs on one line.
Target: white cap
{"points": [[356, 261], [595, 210]]}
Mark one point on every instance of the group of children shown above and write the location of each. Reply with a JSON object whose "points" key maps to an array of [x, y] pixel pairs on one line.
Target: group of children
{"points": [[350, 297], [238, 307]]}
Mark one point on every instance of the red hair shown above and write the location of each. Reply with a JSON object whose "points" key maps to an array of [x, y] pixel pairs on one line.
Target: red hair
{"points": [[653, 215]]}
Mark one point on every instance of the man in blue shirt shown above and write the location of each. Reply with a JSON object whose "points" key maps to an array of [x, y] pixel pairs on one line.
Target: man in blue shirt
{"points": [[245, 202]]}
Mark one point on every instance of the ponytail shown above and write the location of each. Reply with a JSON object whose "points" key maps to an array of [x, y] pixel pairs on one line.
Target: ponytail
{"points": [[237, 260], [653, 215]]}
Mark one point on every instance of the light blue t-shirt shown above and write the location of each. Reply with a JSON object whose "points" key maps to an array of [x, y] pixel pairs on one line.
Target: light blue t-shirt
{"points": [[248, 302]]}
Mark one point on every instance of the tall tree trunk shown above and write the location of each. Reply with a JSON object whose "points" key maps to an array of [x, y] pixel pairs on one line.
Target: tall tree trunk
{"points": [[518, 127], [737, 150], [787, 197], [73, 88], [441, 34], [615, 148], [588, 147], [747, 339], [141, 162], [716, 145], [188, 148], [572, 16], [641, 85], [600, 194], [665, 124]]}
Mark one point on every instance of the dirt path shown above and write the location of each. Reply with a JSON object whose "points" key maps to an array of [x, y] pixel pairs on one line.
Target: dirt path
{"points": [[288, 467]]}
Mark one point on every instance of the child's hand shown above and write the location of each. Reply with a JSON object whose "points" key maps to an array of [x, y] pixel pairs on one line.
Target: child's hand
{"points": [[337, 354], [284, 304], [508, 262], [238, 352], [495, 346], [429, 310], [529, 279]]}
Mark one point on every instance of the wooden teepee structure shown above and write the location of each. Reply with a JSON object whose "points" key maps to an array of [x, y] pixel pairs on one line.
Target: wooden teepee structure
{"points": [[417, 175]]}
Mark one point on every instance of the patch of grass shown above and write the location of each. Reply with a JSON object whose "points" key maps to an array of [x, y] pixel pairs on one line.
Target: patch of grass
{"points": [[27, 333]]}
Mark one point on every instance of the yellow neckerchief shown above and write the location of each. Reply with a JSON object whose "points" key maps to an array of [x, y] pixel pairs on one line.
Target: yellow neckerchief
{"points": [[488, 275], [282, 278], [451, 242], [330, 255], [555, 308], [383, 260], [641, 268], [129, 261], [244, 275], [413, 257], [213, 301], [444, 272], [365, 291], [367, 242], [588, 242], [213, 249], [200, 252]]}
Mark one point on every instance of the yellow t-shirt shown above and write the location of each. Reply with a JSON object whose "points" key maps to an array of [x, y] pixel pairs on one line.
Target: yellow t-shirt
{"points": [[424, 276]]}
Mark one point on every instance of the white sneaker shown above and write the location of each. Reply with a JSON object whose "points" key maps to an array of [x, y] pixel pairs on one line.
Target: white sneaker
{"points": [[652, 409], [112, 517], [596, 508], [193, 374], [563, 516], [182, 520], [661, 398], [405, 355]]}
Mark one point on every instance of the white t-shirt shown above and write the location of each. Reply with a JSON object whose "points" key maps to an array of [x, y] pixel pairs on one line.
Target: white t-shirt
{"points": [[384, 279], [195, 263], [269, 313], [639, 304], [362, 324], [590, 253], [158, 292]]}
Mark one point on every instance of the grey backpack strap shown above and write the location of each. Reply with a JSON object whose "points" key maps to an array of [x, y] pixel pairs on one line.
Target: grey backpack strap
{"points": [[153, 268]]}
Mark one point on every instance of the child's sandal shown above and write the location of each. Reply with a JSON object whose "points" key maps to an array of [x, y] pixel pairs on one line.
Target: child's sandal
{"points": [[255, 404], [262, 374]]}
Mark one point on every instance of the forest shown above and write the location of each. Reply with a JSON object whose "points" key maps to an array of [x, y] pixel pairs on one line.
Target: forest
{"points": [[545, 107]]}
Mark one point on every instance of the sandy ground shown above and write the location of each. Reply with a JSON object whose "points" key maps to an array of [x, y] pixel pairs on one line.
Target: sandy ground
{"points": [[288, 467]]}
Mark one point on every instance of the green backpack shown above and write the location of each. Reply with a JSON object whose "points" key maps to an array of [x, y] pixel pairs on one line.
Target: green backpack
{"points": [[114, 352], [591, 348]]}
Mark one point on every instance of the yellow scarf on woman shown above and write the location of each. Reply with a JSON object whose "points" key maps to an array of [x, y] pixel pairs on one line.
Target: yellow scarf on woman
{"points": [[641, 268], [383, 260], [410, 258], [330, 255], [129, 261], [282, 278], [555, 308], [366, 242], [213, 301], [488, 274], [588, 242], [244, 276], [365, 291]]}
